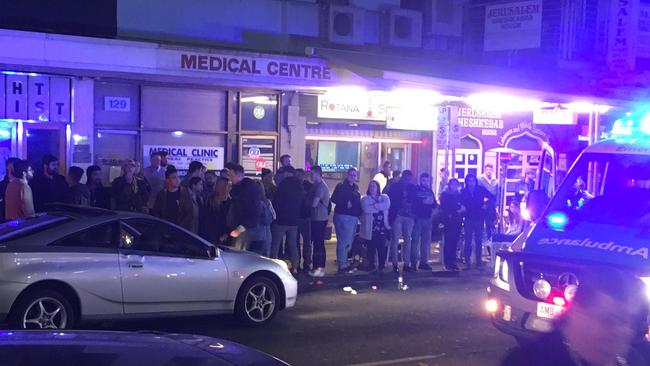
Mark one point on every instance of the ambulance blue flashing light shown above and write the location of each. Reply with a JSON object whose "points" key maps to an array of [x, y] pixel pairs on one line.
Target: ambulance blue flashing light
{"points": [[557, 221], [632, 126]]}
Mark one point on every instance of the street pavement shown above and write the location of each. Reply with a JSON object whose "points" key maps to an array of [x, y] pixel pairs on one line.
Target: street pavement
{"points": [[437, 321]]}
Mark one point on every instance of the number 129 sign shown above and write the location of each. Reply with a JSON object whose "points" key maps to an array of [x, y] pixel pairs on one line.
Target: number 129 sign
{"points": [[117, 104]]}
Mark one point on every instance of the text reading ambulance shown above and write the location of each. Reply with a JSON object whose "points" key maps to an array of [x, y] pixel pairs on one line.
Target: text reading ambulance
{"points": [[599, 215]]}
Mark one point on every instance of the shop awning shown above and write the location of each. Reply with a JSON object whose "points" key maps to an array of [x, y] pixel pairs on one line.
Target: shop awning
{"points": [[462, 79]]}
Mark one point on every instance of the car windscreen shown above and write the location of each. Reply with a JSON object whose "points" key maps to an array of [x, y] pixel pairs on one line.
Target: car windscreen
{"points": [[607, 188], [14, 229]]}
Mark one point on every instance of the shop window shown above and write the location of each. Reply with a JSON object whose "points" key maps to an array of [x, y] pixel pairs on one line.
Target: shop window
{"points": [[259, 112], [184, 110], [112, 147], [117, 105], [338, 156]]}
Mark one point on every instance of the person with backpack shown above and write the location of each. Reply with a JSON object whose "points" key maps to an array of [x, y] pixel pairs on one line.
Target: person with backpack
{"points": [[287, 202], [347, 199]]}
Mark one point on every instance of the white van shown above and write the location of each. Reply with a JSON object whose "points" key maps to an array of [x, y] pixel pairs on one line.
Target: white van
{"points": [[600, 214]]}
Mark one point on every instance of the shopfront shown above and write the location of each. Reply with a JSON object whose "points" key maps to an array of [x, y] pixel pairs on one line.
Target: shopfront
{"points": [[35, 117], [362, 130], [511, 142]]}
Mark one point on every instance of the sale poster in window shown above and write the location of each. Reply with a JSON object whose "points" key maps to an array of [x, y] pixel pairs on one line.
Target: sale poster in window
{"points": [[257, 153]]}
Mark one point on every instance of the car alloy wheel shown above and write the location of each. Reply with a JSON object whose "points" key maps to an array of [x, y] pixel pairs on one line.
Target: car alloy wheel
{"points": [[45, 313], [260, 302]]}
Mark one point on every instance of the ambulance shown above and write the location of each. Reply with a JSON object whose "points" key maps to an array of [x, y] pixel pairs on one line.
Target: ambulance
{"points": [[598, 215]]}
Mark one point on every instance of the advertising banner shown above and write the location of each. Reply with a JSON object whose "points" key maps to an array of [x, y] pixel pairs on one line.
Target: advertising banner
{"points": [[182, 156], [513, 26], [423, 118], [622, 35]]}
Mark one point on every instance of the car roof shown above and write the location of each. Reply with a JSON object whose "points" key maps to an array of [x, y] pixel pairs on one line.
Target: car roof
{"points": [[635, 146], [126, 348], [59, 221]]}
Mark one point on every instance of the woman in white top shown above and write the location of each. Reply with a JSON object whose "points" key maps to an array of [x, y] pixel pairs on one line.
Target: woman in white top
{"points": [[375, 226]]}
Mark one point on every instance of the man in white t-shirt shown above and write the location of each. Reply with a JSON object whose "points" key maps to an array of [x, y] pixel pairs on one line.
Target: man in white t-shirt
{"points": [[383, 175]]}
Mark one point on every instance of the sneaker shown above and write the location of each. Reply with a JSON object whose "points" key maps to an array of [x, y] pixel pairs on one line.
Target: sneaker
{"points": [[318, 272], [425, 267], [395, 269], [347, 270]]}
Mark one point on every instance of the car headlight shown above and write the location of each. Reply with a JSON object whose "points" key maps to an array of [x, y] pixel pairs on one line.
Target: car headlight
{"points": [[542, 289], [282, 264], [646, 280], [501, 269]]}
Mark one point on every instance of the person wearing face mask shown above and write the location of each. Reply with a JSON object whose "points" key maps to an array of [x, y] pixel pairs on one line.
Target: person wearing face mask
{"points": [[604, 325], [48, 185]]}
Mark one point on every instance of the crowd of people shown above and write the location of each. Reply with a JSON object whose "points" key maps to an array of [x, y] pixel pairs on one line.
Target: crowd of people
{"points": [[286, 213]]}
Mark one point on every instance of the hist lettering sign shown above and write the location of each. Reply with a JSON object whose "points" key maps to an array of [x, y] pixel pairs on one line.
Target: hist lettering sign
{"points": [[31, 97]]}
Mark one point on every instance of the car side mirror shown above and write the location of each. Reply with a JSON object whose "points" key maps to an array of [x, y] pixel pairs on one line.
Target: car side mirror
{"points": [[212, 252], [536, 203]]}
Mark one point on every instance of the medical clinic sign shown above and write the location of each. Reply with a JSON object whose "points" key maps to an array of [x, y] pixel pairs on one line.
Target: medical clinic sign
{"points": [[513, 26], [246, 65]]}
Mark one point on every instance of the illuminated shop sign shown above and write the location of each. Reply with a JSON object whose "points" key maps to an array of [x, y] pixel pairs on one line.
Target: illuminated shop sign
{"points": [[248, 65], [361, 107], [34, 97]]}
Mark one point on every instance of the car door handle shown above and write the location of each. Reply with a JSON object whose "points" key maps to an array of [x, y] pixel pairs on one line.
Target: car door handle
{"points": [[135, 265]]}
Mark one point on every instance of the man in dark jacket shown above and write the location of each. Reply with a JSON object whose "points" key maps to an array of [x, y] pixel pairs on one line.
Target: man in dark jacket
{"points": [[304, 226], [425, 202], [288, 204], [245, 205], [475, 199], [9, 165], [129, 192], [99, 195], [452, 209], [78, 194], [167, 203], [48, 185], [604, 325], [347, 199], [402, 218]]}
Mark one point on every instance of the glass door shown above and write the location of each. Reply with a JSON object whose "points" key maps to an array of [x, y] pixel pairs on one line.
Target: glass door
{"points": [[40, 140], [7, 145]]}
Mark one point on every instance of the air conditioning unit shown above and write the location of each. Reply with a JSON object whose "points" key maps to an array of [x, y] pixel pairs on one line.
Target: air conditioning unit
{"points": [[403, 28], [344, 24]]}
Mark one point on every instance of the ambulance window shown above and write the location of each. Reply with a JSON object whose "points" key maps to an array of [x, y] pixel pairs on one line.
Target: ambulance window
{"points": [[609, 189], [547, 183]]}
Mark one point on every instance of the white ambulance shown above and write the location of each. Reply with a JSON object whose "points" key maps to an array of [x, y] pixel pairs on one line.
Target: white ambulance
{"points": [[599, 214]]}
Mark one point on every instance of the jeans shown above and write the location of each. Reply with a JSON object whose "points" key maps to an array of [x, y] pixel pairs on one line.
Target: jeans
{"points": [[318, 242], [377, 248], [451, 236], [473, 235], [277, 233], [422, 241], [402, 227], [304, 231], [346, 227]]}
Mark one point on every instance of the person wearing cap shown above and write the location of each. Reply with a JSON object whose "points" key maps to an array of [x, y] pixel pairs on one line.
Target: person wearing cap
{"points": [[196, 169], [155, 176], [99, 195], [129, 193]]}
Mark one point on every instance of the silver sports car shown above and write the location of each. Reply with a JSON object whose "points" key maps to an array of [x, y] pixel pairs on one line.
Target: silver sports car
{"points": [[72, 264]]}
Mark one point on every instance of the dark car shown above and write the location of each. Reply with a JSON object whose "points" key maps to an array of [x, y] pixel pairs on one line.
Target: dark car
{"points": [[124, 348]]}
